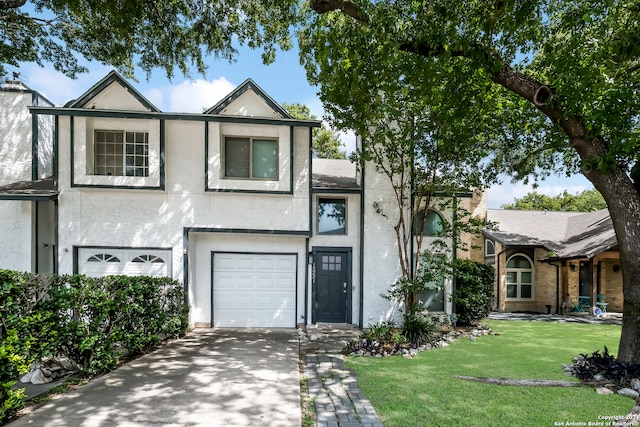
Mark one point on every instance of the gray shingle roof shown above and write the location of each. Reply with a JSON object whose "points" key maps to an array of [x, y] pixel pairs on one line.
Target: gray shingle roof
{"points": [[333, 174], [42, 189], [569, 234]]}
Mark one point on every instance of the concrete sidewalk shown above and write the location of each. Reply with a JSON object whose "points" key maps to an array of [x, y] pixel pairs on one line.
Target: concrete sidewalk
{"points": [[211, 377]]}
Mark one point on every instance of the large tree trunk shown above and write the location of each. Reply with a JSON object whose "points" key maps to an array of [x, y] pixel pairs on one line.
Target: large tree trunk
{"points": [[619, 192], [624, 206]]}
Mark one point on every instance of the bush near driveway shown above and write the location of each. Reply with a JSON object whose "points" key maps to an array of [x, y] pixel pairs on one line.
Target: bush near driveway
{"points": [[89, 320], [423, 391]]}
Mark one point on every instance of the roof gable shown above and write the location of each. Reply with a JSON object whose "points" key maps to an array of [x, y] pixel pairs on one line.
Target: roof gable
{"points": [[249, 99], [113, 92], [570, 234]]}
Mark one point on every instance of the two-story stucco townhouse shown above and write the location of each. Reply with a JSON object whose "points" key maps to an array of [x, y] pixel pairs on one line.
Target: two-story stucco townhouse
{"points": [[229, 202]]}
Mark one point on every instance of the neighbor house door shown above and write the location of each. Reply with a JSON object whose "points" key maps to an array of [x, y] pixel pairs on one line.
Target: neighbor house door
{"points": [[584, 279], [332, 287]]}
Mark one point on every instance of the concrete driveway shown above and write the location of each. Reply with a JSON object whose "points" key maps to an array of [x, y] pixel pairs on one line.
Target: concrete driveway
{"points": [[212, 377]]}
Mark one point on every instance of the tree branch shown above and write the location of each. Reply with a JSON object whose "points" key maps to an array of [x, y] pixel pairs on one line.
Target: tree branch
{"points": [[11, 4], [346, 7]]}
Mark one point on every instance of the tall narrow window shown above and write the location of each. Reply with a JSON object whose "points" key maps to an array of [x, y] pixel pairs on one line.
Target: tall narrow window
{"points": [[250, 158], [519, 277], [121, 153]]}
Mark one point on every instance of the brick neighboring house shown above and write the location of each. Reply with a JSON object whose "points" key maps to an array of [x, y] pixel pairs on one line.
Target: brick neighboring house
{"points": [[554, 261]]}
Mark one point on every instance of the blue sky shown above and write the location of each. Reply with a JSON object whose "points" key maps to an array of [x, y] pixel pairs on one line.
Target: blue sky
{"points": [[284, 80]]}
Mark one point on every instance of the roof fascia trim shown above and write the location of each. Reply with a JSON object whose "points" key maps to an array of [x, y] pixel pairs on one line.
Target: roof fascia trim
{"points": [[112, 77]]}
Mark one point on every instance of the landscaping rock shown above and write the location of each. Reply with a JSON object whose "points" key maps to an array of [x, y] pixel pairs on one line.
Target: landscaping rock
{"points": [[26, 378], [603, 390], [635, 384], [38, 377], [364, 347], [628, 392]]}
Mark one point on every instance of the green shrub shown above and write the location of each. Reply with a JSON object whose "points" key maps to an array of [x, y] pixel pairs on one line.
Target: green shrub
{"points": [[418, 328], [473, 295], [12, 365], [89, 320], [383, 333]]}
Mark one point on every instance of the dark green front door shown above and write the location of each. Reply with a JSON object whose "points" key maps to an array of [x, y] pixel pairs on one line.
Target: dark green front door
{"points": [[332, 288]]}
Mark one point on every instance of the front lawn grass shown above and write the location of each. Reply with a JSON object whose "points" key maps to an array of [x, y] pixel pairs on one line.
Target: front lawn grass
{"points": [[424, 392]]}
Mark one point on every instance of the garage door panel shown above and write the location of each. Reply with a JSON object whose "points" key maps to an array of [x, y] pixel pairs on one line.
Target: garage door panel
{"points": [[243, 282], [265, 264], [265, 282], [286, 264], [249, 290], [284, 282]]}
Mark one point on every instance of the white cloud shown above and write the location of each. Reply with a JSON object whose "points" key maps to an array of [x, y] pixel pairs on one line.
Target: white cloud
{"points": [[193, 96], [57, 87]]}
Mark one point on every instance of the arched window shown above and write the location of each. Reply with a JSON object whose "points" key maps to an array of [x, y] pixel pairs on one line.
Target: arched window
{"points": [[145, 259], [489, 248], [432, 225], [103, 258], [519, 277]]}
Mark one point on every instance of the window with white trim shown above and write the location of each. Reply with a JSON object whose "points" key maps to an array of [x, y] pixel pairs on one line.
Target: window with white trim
{"points": [[121, 153], [250, 158], [519, 277], [489, 248]]}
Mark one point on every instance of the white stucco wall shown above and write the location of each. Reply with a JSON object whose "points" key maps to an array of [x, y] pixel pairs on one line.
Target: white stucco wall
{"points": [[15, 165], [15, 235], [381, 267], [15, 136], [249, 104], [115, 97]]}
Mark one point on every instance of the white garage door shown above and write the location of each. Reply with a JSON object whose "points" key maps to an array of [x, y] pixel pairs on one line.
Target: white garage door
{"points": [[254, 290], [98, 262]]}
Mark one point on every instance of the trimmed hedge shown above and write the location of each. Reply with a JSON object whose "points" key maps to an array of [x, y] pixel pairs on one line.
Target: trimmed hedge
{"points": [[89, 320]]}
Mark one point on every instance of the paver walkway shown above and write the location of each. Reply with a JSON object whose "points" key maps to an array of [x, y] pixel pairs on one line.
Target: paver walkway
{"points": [[332, 387], [338, 400], [610, 318]]}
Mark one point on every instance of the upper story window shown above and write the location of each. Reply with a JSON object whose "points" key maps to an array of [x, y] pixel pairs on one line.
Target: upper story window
{"points": [[332, 215], [489, 248], [250, 158], [121, 153], [432, 225]]}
